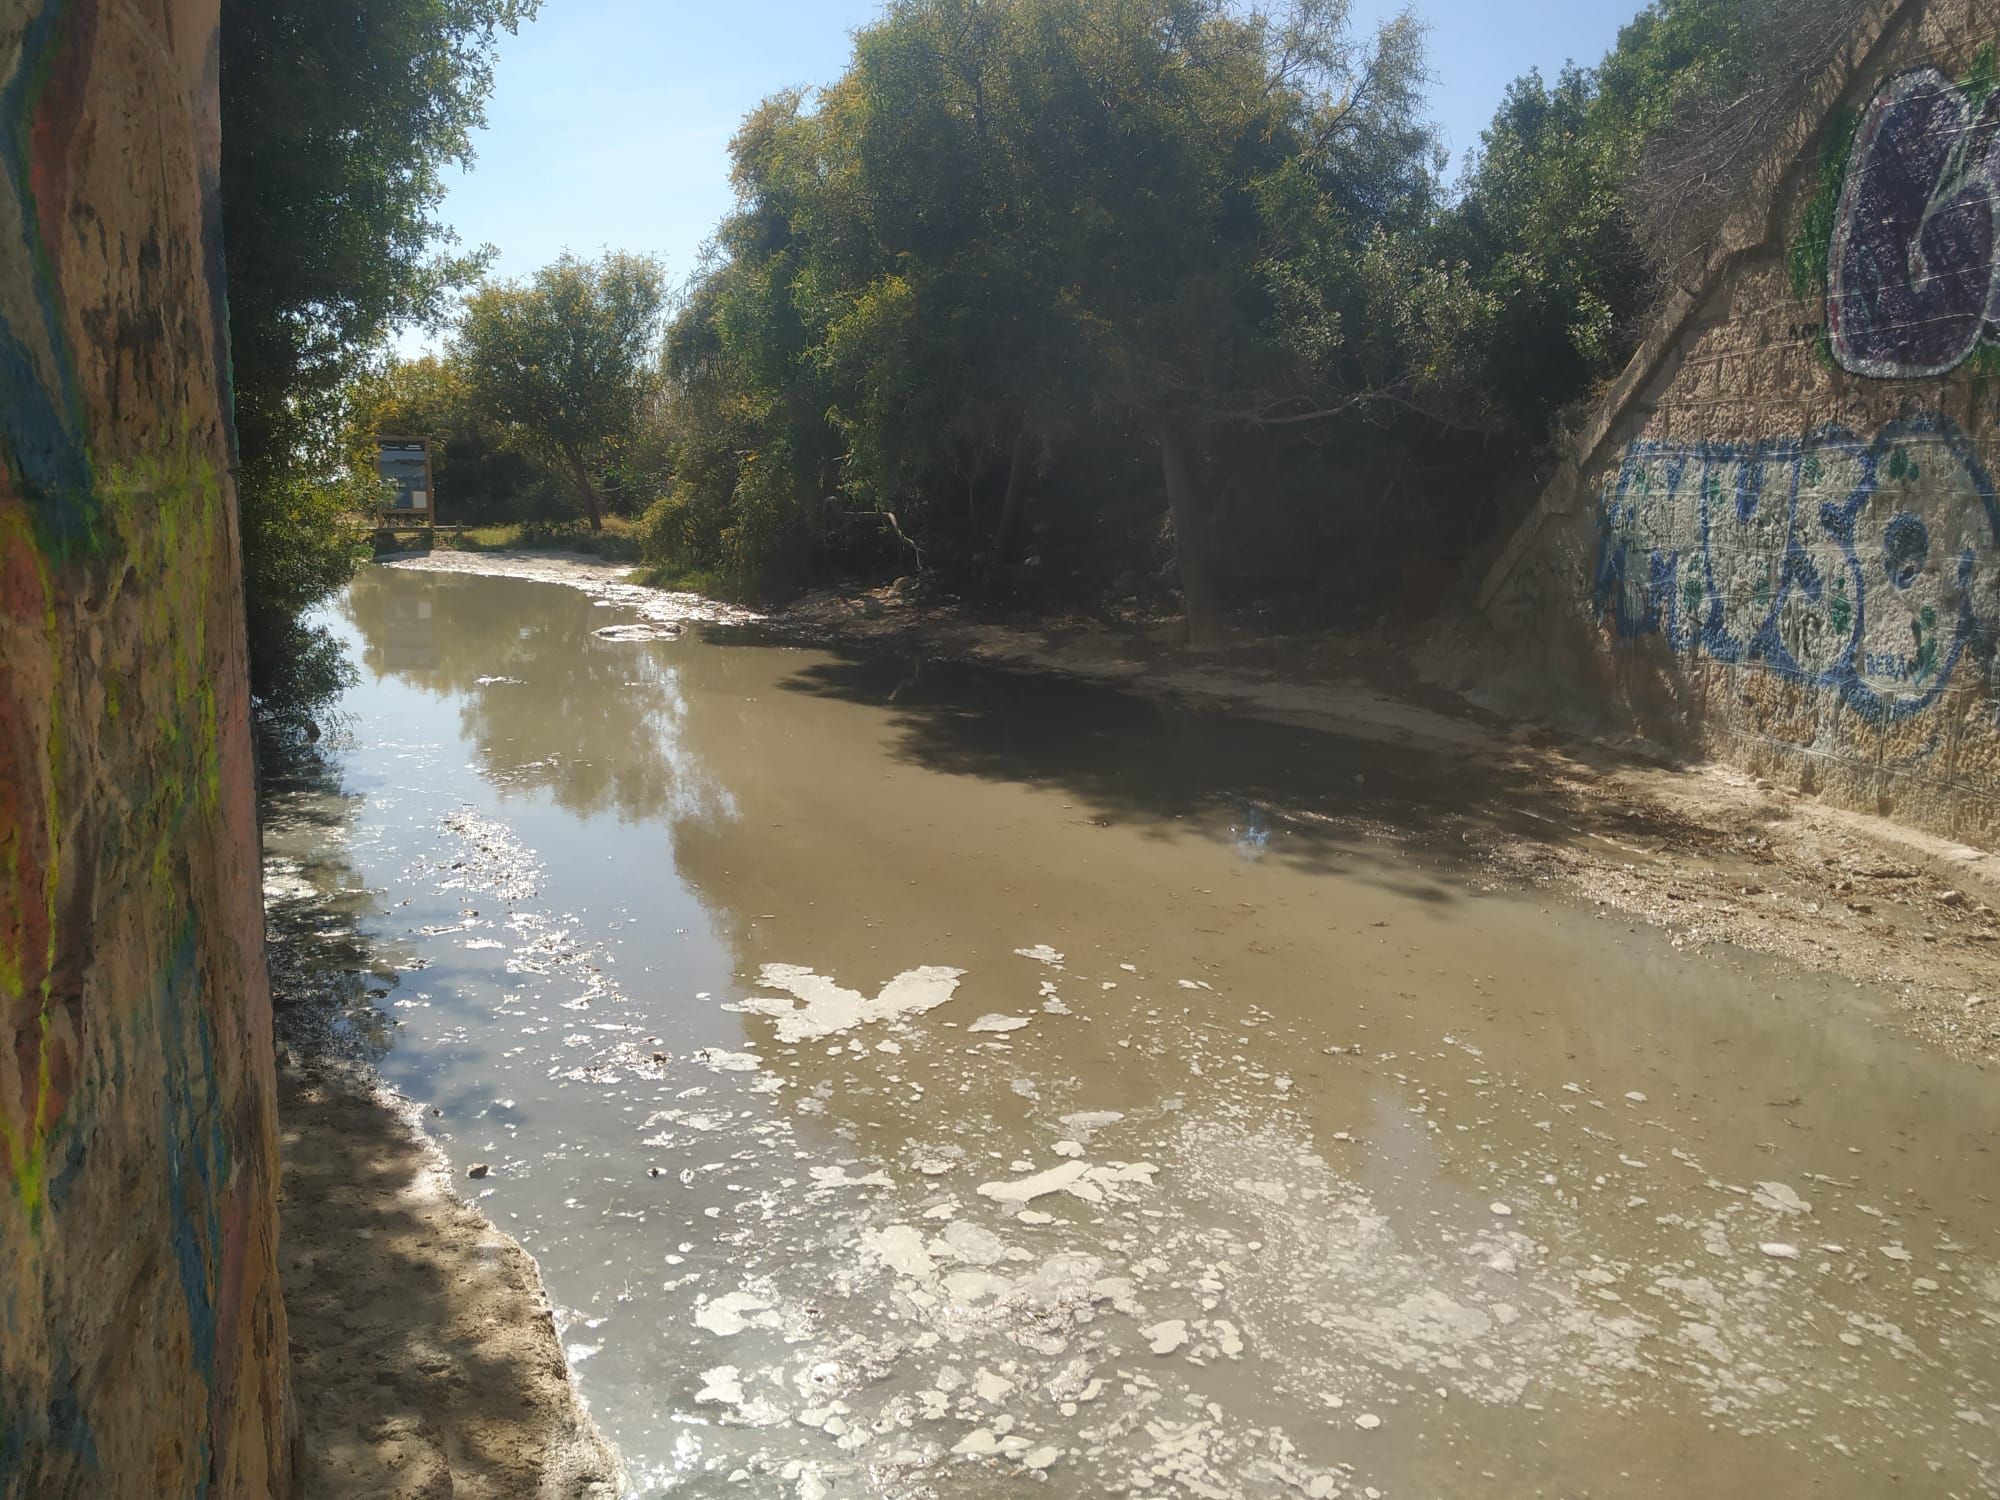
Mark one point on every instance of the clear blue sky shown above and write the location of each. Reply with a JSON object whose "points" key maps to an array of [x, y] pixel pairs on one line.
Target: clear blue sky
{"points": [[610, 120]]}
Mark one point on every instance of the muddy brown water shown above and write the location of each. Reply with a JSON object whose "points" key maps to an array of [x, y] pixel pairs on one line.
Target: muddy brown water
{"points": [[921, 1081]]}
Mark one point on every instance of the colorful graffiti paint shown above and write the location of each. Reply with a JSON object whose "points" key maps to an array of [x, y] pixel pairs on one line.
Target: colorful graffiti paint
{"points": [[1912, 288], [142, 1341], [1868, 567]]}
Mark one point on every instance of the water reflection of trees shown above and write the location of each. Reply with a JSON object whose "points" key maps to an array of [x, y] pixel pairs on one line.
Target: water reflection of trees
{"points": [[329, 977], [544, 703]]}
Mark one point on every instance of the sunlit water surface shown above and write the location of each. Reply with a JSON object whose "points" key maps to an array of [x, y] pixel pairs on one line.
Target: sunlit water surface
{"points": [[918, 1081]]}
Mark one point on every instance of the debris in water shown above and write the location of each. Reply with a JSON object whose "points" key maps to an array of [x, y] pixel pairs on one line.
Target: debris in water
{"points": [[649, 631], [1165, 1338], [825, 1008], [834, 1177], [1781, 1198], [477, 1169], [1077, 1178], [1027, 1189], [733, 1312], [716, 1059], [721, 1386]]}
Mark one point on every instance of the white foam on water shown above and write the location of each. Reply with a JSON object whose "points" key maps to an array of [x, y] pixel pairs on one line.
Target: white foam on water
{"points": [[721, 1385], [997, 1022], [1166, 1337], [901, 1248], [719, 1061], [822, 1008], [1078, 1178], [733, 1312]]}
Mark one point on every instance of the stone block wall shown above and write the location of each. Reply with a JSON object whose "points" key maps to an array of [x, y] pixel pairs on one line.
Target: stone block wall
{"points": [[1779, 541], [142, 1340]]}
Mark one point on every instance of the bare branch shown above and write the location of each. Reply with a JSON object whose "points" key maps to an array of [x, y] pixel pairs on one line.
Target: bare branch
{"points": [[1696, 165], [1272, 415]]}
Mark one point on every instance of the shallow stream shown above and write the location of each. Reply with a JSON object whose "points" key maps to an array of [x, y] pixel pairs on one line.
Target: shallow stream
{"points": [[920, 1081]]}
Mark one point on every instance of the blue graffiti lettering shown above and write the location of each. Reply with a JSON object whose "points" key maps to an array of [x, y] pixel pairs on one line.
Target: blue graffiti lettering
{"points": [[1868, 568]]}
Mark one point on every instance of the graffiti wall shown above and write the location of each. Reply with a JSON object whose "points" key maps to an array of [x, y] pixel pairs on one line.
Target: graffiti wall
{"points": [[1864, 567], [142, 1341], [1779, 542], [1911, 290]]}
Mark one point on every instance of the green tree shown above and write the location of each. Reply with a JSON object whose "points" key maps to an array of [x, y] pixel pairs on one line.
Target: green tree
{"points": [[338, 119], [478, 475], [1117, 209], [1226, 161], [566, 360], [1016, 228], [1550, 214]]}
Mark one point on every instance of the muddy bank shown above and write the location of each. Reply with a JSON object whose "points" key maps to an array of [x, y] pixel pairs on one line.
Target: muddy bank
{"points": [[1708, 854], [426, 1363], [424, 1353]]}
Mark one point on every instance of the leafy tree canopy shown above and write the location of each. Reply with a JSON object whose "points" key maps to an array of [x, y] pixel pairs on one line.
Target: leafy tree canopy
{"points": [[566, 360], [339, 118], [1015, 227]]}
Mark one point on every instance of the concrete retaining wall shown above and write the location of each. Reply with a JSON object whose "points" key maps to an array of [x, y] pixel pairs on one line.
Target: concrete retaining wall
{"points": [[1779, 541], [142, 1341]]}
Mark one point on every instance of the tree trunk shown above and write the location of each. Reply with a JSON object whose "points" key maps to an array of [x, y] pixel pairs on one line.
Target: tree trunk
{"points": [[1191, 541], [1009, 537], [586, 492]]}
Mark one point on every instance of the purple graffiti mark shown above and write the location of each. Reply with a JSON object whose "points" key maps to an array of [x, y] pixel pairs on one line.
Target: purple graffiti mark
{"points": [[1869, 568], [1911, 285]]}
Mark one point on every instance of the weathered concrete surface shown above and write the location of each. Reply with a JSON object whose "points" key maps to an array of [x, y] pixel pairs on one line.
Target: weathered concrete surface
{"points": [[142, 1340], [1778, 542]]}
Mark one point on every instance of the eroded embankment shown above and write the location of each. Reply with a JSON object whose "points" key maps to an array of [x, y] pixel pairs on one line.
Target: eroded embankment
{"points": [[1710, 854], [425, 1358]]}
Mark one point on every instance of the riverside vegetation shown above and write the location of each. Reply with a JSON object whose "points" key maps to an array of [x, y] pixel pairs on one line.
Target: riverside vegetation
{"points": [[1045, 301]]}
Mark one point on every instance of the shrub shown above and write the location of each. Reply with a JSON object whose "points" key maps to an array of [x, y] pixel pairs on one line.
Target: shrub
{"points": [[301, 543]]}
